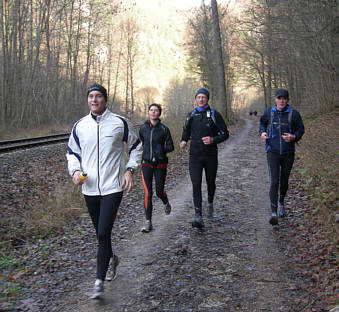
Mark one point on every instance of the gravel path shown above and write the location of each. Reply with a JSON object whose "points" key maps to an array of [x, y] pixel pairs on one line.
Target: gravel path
{"points": [[238, 263]]}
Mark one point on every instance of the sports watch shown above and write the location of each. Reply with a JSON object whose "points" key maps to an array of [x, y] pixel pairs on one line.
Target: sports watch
{"points": [[131, 170]]}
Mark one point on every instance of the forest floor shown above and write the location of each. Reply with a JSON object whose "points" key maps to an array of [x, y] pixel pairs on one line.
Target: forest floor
{"points": [[239, 262]]}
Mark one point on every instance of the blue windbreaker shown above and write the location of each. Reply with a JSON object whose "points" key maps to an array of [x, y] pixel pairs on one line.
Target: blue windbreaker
{"points": [[278, 126]]}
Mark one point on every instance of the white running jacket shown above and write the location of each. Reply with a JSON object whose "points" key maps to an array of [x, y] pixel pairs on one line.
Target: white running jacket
{"points": [[97, 147]]}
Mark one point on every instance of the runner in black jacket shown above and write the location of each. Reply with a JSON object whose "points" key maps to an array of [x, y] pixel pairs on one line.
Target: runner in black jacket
{"points": [[280, 127], [157, 142], [205, 127]]}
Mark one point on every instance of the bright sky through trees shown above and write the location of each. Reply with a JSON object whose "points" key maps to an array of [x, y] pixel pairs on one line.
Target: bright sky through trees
{"points": [[186, 4]]}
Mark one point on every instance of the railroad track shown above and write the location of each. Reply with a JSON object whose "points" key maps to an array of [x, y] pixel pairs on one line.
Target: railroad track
{"points": [[11, 145], [17, 144]]}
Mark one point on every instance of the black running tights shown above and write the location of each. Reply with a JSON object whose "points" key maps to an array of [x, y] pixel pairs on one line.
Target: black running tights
{"points": [[279, 167], [103, 211], [196, 165], [159, 172]]}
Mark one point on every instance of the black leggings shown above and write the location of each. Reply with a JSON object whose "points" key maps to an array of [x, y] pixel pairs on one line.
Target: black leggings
{"points": [[159, 171], [103, 211], [196, 166], [279, 167]]}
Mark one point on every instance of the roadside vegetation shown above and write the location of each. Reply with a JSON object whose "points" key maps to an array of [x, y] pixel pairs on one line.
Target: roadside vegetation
{"points": [[58, 205], [320, 157], [46, 72], [314, 220]]}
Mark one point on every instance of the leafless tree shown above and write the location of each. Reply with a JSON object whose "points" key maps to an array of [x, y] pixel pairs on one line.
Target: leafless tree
{"points": [[296, 48], [146, 96], [221, 97], [202, 44], [179, 97], [48, 57]]}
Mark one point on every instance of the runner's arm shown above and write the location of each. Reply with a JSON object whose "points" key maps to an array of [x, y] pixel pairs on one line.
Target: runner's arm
{"points": [[221, 136], [300, 130]]}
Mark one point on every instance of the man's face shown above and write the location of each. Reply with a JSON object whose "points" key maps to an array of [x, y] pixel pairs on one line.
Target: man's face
{"points": [[281, 102], [96, 102], [201, 100]]}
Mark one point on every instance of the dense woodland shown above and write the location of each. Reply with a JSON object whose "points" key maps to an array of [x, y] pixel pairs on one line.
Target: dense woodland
{"points": [[146, 51]]}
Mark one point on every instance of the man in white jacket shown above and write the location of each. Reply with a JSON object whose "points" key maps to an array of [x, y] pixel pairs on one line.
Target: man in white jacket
{"points": [[96, 149]]}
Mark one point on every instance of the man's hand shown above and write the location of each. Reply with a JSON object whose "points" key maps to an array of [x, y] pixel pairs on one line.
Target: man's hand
{"points": [[76, 178], [127, 181], [264, 136], [288, 137], [207, 140], [182, 144]]}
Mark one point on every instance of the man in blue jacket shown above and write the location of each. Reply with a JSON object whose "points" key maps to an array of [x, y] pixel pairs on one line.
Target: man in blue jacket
{"points": [[280, 127]]}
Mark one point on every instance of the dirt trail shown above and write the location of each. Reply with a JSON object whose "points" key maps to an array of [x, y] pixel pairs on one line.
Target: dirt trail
{"points": [[238, 263]]}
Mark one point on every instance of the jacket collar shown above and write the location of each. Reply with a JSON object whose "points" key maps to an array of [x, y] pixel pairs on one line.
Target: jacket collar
{"points": [[287, 109], [100, 116], [202, 109], [148, 122]]}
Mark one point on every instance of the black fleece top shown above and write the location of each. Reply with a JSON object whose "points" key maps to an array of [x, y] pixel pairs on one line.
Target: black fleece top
{"points": [[199, 125], [156, 141]]}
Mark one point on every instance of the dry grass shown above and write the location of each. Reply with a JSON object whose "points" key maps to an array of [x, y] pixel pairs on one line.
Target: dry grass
{"points": [[49, 215], [320, 157]]}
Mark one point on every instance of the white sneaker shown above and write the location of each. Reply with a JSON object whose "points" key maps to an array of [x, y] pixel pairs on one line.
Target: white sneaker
{"points": [[112, 272], [147, 227], [98, 289]]}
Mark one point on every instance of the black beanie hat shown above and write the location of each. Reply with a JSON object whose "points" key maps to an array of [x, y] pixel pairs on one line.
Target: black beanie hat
{"points": [[203, 91], [97, 87]]}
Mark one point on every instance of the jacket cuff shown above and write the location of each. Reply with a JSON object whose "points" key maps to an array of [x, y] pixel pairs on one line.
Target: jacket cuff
{"points": [[74, 171]]}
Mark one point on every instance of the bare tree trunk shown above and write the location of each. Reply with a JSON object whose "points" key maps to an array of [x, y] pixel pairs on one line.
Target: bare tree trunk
{"points": [[109, 67], [263, 81], [25, 109], [89, 44], [75, 53], [117, 73], [221, 93], [269, 52], [127, 85], [335, 50], [3, 111], [207, 58], [132, 85]]}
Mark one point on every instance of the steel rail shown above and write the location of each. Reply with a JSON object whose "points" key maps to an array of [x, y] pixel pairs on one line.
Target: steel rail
{"points": [[24, 143], [11, 145]]}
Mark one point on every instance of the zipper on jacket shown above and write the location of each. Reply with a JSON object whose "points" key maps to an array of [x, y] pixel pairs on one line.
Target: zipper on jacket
{"points": [[280, 138], [98, 154], [150, 145]]}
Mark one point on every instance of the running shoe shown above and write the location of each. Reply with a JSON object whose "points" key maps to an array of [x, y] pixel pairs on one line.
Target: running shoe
{"points": [[281, 210], [198, 222], [167, 208], [98, 289], [210, 210], [147, 227], [112, 272], [274, 219]]}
